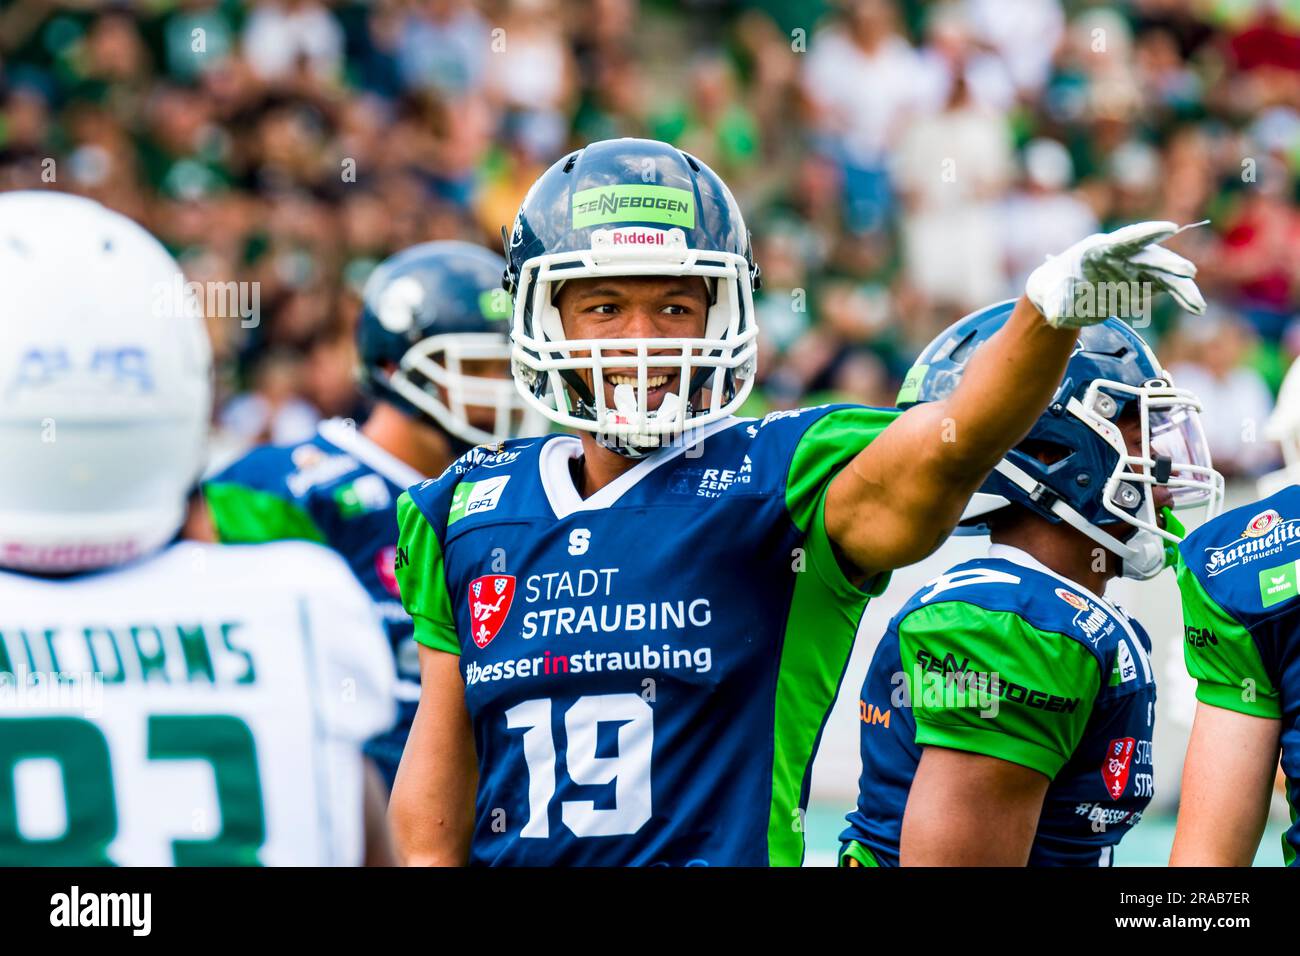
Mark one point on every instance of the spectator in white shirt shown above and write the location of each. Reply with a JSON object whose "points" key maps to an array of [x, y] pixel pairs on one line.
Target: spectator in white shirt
{"points": [[861, 81], [950, 47], [281, 35], [1236, 400], [1025, 33], [1043, 215], [950, 168]]}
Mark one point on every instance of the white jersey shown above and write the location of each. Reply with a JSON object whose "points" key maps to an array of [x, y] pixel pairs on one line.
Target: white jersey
{"points": [[205, 706]]}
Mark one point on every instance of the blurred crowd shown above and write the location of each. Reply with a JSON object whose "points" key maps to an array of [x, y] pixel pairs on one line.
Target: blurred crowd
{"points": [[900, 163]]}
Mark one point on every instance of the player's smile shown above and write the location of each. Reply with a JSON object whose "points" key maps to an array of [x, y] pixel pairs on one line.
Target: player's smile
{"points": [[635, 307], [659, 382]]}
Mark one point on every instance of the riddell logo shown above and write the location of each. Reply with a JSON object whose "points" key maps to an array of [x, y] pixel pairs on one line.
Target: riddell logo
{"points": [[489, 604], [636, 237]]}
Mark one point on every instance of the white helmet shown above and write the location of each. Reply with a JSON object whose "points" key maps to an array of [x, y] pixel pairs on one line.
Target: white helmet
{"points": [[105, 386], [632, 207]]}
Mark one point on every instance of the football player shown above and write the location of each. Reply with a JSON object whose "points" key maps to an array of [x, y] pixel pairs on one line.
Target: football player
{"points": [[630, 637], [1241, 641], [435, 357], [1007, 714], [160, 701]]}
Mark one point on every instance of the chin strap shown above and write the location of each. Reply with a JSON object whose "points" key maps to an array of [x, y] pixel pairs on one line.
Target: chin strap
{"points": [[638, 446], [621, 447], [1143, 555]]}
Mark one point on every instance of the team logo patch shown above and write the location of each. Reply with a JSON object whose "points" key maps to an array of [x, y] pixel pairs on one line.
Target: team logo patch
{"points": [[1262, 523], [1119, 759], [489, 604], [399, 304], [959, 579], [1072, 599], [385, 569]]}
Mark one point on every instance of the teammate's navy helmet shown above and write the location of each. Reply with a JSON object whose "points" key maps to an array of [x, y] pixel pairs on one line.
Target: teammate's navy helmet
{"points": [[426, 312], [1092, 482], [631, 207]]}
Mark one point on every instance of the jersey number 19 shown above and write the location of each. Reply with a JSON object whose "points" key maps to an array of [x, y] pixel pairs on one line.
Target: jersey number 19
{"points": [[628, 769]]}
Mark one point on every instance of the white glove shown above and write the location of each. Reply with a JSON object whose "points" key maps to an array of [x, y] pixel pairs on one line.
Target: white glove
{"points": [[1067, 288]]}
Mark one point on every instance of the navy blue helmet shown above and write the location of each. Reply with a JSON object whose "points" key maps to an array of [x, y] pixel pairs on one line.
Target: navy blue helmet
{"points": [[1091, 479], [631, 207], [433, 318]]}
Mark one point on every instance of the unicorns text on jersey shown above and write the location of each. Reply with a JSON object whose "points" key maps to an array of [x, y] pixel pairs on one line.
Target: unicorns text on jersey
{"points": [[339, 489]]}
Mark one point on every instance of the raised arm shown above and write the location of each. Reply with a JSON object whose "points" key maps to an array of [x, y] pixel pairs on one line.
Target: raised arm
{"points": [[901, 496], [898, 499]]}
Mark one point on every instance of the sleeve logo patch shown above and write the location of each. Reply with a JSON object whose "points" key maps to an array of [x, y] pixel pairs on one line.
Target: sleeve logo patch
{"points": [[1125, 668], [319, 469], [1261, 523], [306, 456], [1072, 599], [1115, 769], [476, 497], [490, 598], [958, 579], [1278, 584], [386, 570], [367, 494], [1092, 620], [1265, 535]]}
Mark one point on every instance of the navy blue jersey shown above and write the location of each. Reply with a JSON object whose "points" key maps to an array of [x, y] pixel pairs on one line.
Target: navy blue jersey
{"points": [[1239, 578], [647, 670], [340, 490], [1002, 657]]}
